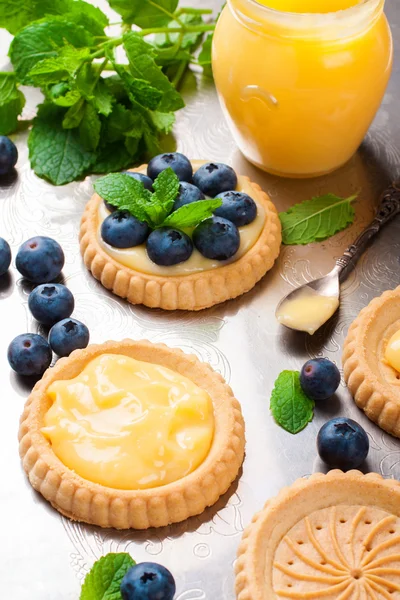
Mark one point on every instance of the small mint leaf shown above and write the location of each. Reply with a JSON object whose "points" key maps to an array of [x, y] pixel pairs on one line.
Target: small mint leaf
{"points": [[166, 189], [43, 40], [316, 219], [145, 13], [103, 581], [125, 193], [56, 153], [290, 406], [57, 68], [12, 102], [205, 55], [190, 215]]}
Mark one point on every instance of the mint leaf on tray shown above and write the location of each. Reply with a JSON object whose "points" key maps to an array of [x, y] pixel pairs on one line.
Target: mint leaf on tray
{"points": [[290, 406], [316, 219], [103, 581]]}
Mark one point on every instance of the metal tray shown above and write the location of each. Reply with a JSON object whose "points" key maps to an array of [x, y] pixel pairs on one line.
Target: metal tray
{"points": [[45, 556]]}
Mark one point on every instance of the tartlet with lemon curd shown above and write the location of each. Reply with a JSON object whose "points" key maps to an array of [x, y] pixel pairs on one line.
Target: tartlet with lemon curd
{"points": [[195, 284], [371, 361], [131, 435], [334, 536]]}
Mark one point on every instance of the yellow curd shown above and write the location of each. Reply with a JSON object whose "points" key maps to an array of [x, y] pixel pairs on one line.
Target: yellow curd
{"points": [[308, 311], [129, 424], [392, 352], [300, 88], [137, 258]]}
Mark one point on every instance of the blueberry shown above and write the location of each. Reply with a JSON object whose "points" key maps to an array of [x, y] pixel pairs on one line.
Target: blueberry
{"points": [[8, 155], [214, 178], [237, 207], [29, 354], [148, 581], [147, 182], [68, 335], [50, 303], [175, 161], [319, 378], [342, 443], [167, 246], [123, 230], [5, 256], [40, 259], [217, 238], [188, 193]]}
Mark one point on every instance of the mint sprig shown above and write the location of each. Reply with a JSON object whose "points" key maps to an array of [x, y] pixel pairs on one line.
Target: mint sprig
{"points": [[103, 581], [291, 408], [316, 219], [61, 47], [126, 193]]}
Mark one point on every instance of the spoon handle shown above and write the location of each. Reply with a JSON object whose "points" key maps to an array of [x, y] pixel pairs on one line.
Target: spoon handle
{"points": [[388, 208]]}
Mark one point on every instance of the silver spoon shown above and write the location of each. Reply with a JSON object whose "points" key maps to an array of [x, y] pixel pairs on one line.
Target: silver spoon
{"points": [[329, 285]]}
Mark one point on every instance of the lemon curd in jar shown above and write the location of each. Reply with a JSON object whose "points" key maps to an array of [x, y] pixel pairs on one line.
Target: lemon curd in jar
{"points": [[301, 80]]}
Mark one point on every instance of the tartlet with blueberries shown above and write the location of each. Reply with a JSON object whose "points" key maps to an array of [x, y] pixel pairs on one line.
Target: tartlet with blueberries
{"points": [[176, 234]]}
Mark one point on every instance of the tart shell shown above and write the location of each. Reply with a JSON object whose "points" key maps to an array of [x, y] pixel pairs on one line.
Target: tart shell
{"points": [[83, 500], [269, 528], [362, 359], [186, 292]]}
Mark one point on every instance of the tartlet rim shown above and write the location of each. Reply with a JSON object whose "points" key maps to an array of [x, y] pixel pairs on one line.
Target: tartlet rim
{"points": [[195, 291], [83, 500]]}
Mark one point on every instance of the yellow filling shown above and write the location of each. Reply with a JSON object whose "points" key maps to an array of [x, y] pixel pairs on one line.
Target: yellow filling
{"points": [[308, 311], [392, 352], [136, 258], [128, 424]]}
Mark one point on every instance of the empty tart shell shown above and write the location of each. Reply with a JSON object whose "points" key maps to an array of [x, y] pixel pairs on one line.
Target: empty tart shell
{"points": [[331, 537], [373, 383], [83, 500], [193, 291]]}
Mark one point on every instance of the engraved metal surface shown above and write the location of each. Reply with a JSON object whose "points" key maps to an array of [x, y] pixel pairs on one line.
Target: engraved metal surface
{"points": [[45, 556]]}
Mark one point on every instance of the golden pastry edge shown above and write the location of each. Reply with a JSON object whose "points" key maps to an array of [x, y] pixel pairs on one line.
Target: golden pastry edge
{"points": [[82, 500]]}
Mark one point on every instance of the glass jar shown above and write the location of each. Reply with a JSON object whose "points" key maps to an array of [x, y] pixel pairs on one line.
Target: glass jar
{"points": [[301, 90]]}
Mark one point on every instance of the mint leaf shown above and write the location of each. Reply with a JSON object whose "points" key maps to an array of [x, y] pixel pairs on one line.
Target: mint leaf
{"points": [[62, 94], [55, 153], [90, 17], [143, 66], [42, 40], [190, 215], [316, 219], [16, 14], [89, 128], [125, 193], [290, 406], [112, 157], [12, 101], [55, 69], [162, 121], [123, 122], [145, 13], [74, 115], [188, 41], [103, 581], [205, 55], [166, 188], [102, 99]]}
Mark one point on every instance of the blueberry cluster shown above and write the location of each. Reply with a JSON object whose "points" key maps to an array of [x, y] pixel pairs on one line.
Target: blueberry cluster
{"points": [[217, 237], [40, 260], [342, 443]]}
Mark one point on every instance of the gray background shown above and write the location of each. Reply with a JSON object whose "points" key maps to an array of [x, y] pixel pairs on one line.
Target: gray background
{"points": [[44, 556]]}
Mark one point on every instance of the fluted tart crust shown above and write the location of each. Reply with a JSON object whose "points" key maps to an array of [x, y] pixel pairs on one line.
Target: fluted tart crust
{"points": [[193, 291], [334, 536], [83, 500], [373, 383]]}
